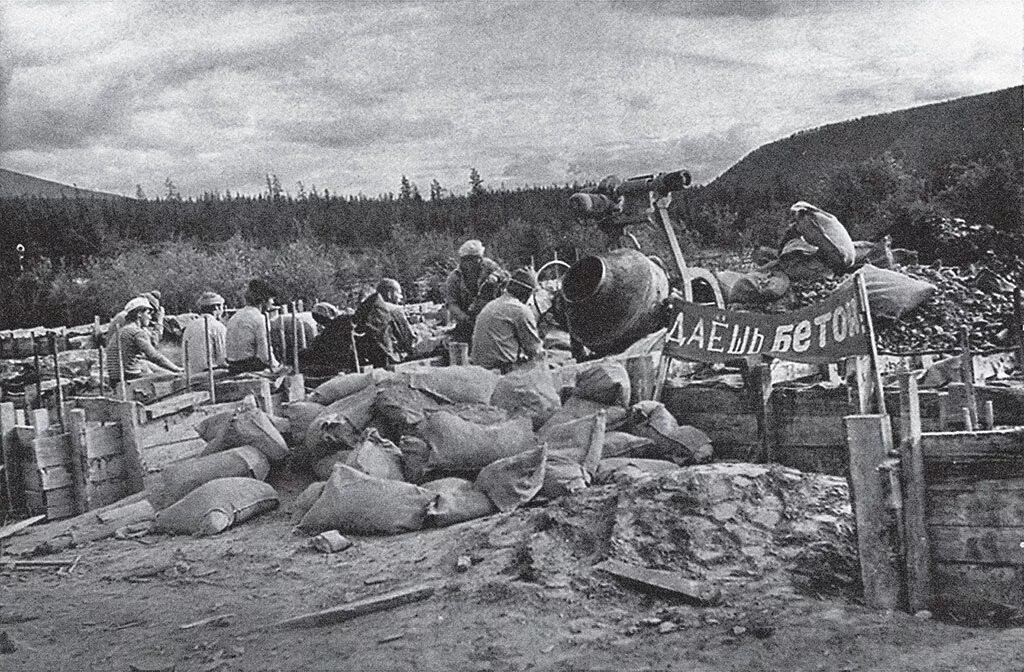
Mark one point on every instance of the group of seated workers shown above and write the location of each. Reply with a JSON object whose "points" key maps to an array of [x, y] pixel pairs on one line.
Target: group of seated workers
{"points": [[488, 306]]}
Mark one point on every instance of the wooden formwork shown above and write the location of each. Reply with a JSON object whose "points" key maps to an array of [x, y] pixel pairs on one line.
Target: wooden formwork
{"points": [[64, 465]]}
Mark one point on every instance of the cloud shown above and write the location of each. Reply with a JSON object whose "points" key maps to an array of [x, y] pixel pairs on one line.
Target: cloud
{"points": [[358, 130], [747, 9]]}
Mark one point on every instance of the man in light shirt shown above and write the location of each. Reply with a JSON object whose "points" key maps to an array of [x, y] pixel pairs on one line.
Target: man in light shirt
{"points": [[247, 342], [505, 333], [206, 332]]}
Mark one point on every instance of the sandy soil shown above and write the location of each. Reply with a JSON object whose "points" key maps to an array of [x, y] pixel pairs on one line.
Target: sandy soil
{"points": [[531, 601]]}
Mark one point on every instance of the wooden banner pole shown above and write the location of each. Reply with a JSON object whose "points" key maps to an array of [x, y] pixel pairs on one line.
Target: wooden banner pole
{"points": [[865, 307]]}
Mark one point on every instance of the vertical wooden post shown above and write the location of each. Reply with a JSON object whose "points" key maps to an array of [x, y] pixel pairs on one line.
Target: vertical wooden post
{"points": [[296, 387], [12, 462], [131, 444], [263, 397], [869, 439], [187, 366], [862, 292], [967, 373], [862, 380], [51, 339], [295, 338], [282, 335], [912, 467], [209, 359], [759, 390], [79, 456], [641, 370], [965, 413], [302, 329], [97, 335], [943, 398], [988, 417], [270, 343], [39, 371], [122, 384]]}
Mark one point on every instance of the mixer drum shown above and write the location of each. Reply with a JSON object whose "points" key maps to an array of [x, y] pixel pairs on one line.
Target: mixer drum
{"points": [[614, 299]]}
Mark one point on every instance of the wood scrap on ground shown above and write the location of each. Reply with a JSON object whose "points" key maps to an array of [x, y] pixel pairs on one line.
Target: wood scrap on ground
{"points": [[358, 608], [704, 594]]}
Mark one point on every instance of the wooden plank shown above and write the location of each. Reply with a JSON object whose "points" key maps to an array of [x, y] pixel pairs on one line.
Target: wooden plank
{"points": [[40, 421], [813, 401], [1007, 403], [131, 445], [352, 610], [39, 501], [664, 582], [15, 528], [960, 585], [234, 390], [105, 469], [107, 492], [808, 431], [982, 545], [914, 506], [869, 440], [175, 404], [999, 452], [103, 441], [991, 503], [97, 409], [48, 478], [79, 444], [758, 383], [51, 450], [9, 455], [722, 429]]}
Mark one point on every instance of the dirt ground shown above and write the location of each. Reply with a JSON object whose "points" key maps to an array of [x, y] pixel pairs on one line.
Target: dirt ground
{"points": [[520, 606]]}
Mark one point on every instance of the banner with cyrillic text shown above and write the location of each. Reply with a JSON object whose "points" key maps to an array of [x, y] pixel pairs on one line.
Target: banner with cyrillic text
{"points": [[828, 331]]}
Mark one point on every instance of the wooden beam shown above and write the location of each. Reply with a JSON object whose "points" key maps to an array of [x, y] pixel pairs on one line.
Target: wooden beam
{"points": [[358, 608], [869, 439], [998, 452], [79, 444], [914, 504], [131, 444], [9, 454], [758, 382]]}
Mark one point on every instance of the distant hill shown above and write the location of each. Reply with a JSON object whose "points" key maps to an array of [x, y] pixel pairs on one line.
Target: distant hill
{"points": [[14, 185], [926, 138]]}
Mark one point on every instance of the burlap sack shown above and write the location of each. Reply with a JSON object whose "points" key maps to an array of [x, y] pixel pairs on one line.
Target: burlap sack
{"points": [[574, 451], [621, 444], [457, 445], [680, 444], [306, 499], [215, 506], [399, 408], [354, 503], [827, 233], [212, 426], [457, 500], [605, 382], [376, 456], [624, 469], [180, 478], [575, 408], [455, 384], [891, 293], [513, 481], [324, 467], [340, 386], [301, 415], [250, 427], [339, 427], [528, 391]]}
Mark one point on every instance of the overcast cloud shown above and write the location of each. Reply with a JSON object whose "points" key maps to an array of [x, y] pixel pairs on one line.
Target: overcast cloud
{"points": [[352, 95]]}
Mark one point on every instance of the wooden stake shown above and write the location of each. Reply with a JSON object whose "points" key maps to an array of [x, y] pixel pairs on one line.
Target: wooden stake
{"points": [[209, 359], [9, 452], [914, 511], [52, 342], [302, 331], [79, 457], [862, 293], [188, 368], [968, 421], [988, 417], [39, 371], [759, 389], [295, 338], [98, 338], [283, 336], [270, 344], [1018, 323], [967, 373], [120, 364]]}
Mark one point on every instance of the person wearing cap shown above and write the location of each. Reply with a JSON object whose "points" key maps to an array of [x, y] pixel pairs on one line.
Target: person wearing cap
{"points": [[331, 351], [247, 343], [505, 333], [130, 347], [469, 287], [156, 325], [383, 334], [206, 332]]}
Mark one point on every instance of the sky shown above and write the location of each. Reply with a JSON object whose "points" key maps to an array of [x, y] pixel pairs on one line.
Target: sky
{"points": [[351, 96]]}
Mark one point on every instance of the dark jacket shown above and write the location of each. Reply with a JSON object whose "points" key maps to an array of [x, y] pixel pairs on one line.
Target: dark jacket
{"points": [[383, 333]]}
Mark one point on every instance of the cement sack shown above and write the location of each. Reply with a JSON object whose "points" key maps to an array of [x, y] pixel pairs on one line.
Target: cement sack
{"points": [[726, 281], [341, 386], [892, 294], [513, 481], [376, 456], [478, 414], [354, 503], [306, 499], [680, 444], [877, 254], [455, 384], [757, 288], [605, 382], [458, 500], [215, 506], [625, 469], [212, 426], [399, 408], [621, 444], [575, 408], [574, 451], [457, 445], [180, 478], [250, 427], [800, 261], [324, 467], [528, 391], [339, 427], [826, 232], [300, 415]]}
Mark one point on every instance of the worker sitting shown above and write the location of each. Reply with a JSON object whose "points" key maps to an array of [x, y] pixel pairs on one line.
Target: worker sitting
{"points": [[204, 337], [506, 333], [331, 351], [247, 341], [130, 348], [383, 334], [156, 325], [282, 338], [469, 287]]}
